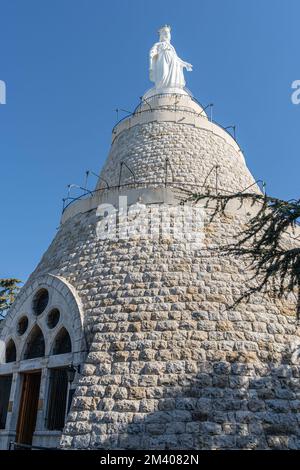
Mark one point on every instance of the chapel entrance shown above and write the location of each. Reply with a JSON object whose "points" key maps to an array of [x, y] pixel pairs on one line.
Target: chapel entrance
{"points": [[28, 407]]}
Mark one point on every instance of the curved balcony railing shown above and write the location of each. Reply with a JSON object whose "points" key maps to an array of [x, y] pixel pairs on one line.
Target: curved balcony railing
{"points": [[188, 187], [151, 108]]}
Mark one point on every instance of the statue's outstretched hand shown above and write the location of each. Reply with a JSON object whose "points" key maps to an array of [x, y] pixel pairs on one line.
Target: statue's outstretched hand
{"points": [[188, 66]]}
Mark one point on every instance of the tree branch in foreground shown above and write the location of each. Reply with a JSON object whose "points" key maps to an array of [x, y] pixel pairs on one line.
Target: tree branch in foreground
{"points": [[276, 262], [8, 292]]}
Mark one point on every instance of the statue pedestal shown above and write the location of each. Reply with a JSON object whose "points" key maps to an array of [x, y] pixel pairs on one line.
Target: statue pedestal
{"points": [[165, 91], [172, 99]]}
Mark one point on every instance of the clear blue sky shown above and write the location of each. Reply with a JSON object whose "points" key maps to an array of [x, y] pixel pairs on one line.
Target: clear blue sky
{"points": [[68, 64]]}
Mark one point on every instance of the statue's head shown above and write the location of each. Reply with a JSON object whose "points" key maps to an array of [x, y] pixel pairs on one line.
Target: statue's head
{"points": [[165, 33]]}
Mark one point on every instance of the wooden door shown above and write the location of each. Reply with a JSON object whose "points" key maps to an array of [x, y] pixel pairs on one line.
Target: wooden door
{"points": [[28, 407]]}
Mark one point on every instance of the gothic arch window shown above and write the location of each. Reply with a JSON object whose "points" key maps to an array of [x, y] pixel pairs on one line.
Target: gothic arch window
{"points": [[22, 325], [62, 343], [53, 318], [40, 301], [35, 346], [11, 352]]}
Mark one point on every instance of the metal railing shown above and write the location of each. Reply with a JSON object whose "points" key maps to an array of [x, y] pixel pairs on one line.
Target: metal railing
{"points": [[135, 184], [163, 182], [150, 108]]}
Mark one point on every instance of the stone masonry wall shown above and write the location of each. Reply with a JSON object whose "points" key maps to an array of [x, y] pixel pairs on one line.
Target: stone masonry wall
{"points": [[192, 153], [171, 366]]}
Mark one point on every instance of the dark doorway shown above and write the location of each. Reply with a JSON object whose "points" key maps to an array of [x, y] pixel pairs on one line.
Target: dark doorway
{"points": [[5, 385], [28, 407], [57, 399]]}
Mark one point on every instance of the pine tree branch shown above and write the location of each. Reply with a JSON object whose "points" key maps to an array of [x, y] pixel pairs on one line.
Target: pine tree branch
{"points": [[263, 242]]}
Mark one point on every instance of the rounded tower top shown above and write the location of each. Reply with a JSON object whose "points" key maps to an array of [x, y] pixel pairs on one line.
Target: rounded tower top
{"points": [[169, 142]]}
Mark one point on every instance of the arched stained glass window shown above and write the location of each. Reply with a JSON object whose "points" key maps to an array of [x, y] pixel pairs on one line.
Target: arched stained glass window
{"points": [[35, 344], [62, 342], [11, 352]]}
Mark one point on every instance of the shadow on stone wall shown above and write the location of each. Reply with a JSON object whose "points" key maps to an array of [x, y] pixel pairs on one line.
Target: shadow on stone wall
{"points": [[239, 405]]}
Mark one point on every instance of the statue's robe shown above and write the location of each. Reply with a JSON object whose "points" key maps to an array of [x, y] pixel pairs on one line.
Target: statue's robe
{"points": [[166, 68]]}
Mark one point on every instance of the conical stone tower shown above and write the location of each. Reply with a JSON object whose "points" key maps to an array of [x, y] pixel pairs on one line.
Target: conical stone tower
{"points": [[165, 364]]}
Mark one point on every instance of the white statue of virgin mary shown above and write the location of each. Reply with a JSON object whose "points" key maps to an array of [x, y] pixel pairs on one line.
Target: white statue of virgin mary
{"points": [[166, 68]]}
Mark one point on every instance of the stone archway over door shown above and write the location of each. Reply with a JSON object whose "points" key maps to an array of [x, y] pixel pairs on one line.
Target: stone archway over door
{"points": [[42, 334]]}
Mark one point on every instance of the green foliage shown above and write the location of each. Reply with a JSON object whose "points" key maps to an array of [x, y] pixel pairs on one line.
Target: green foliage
{"points": [[274, 258], [8, 291]]}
